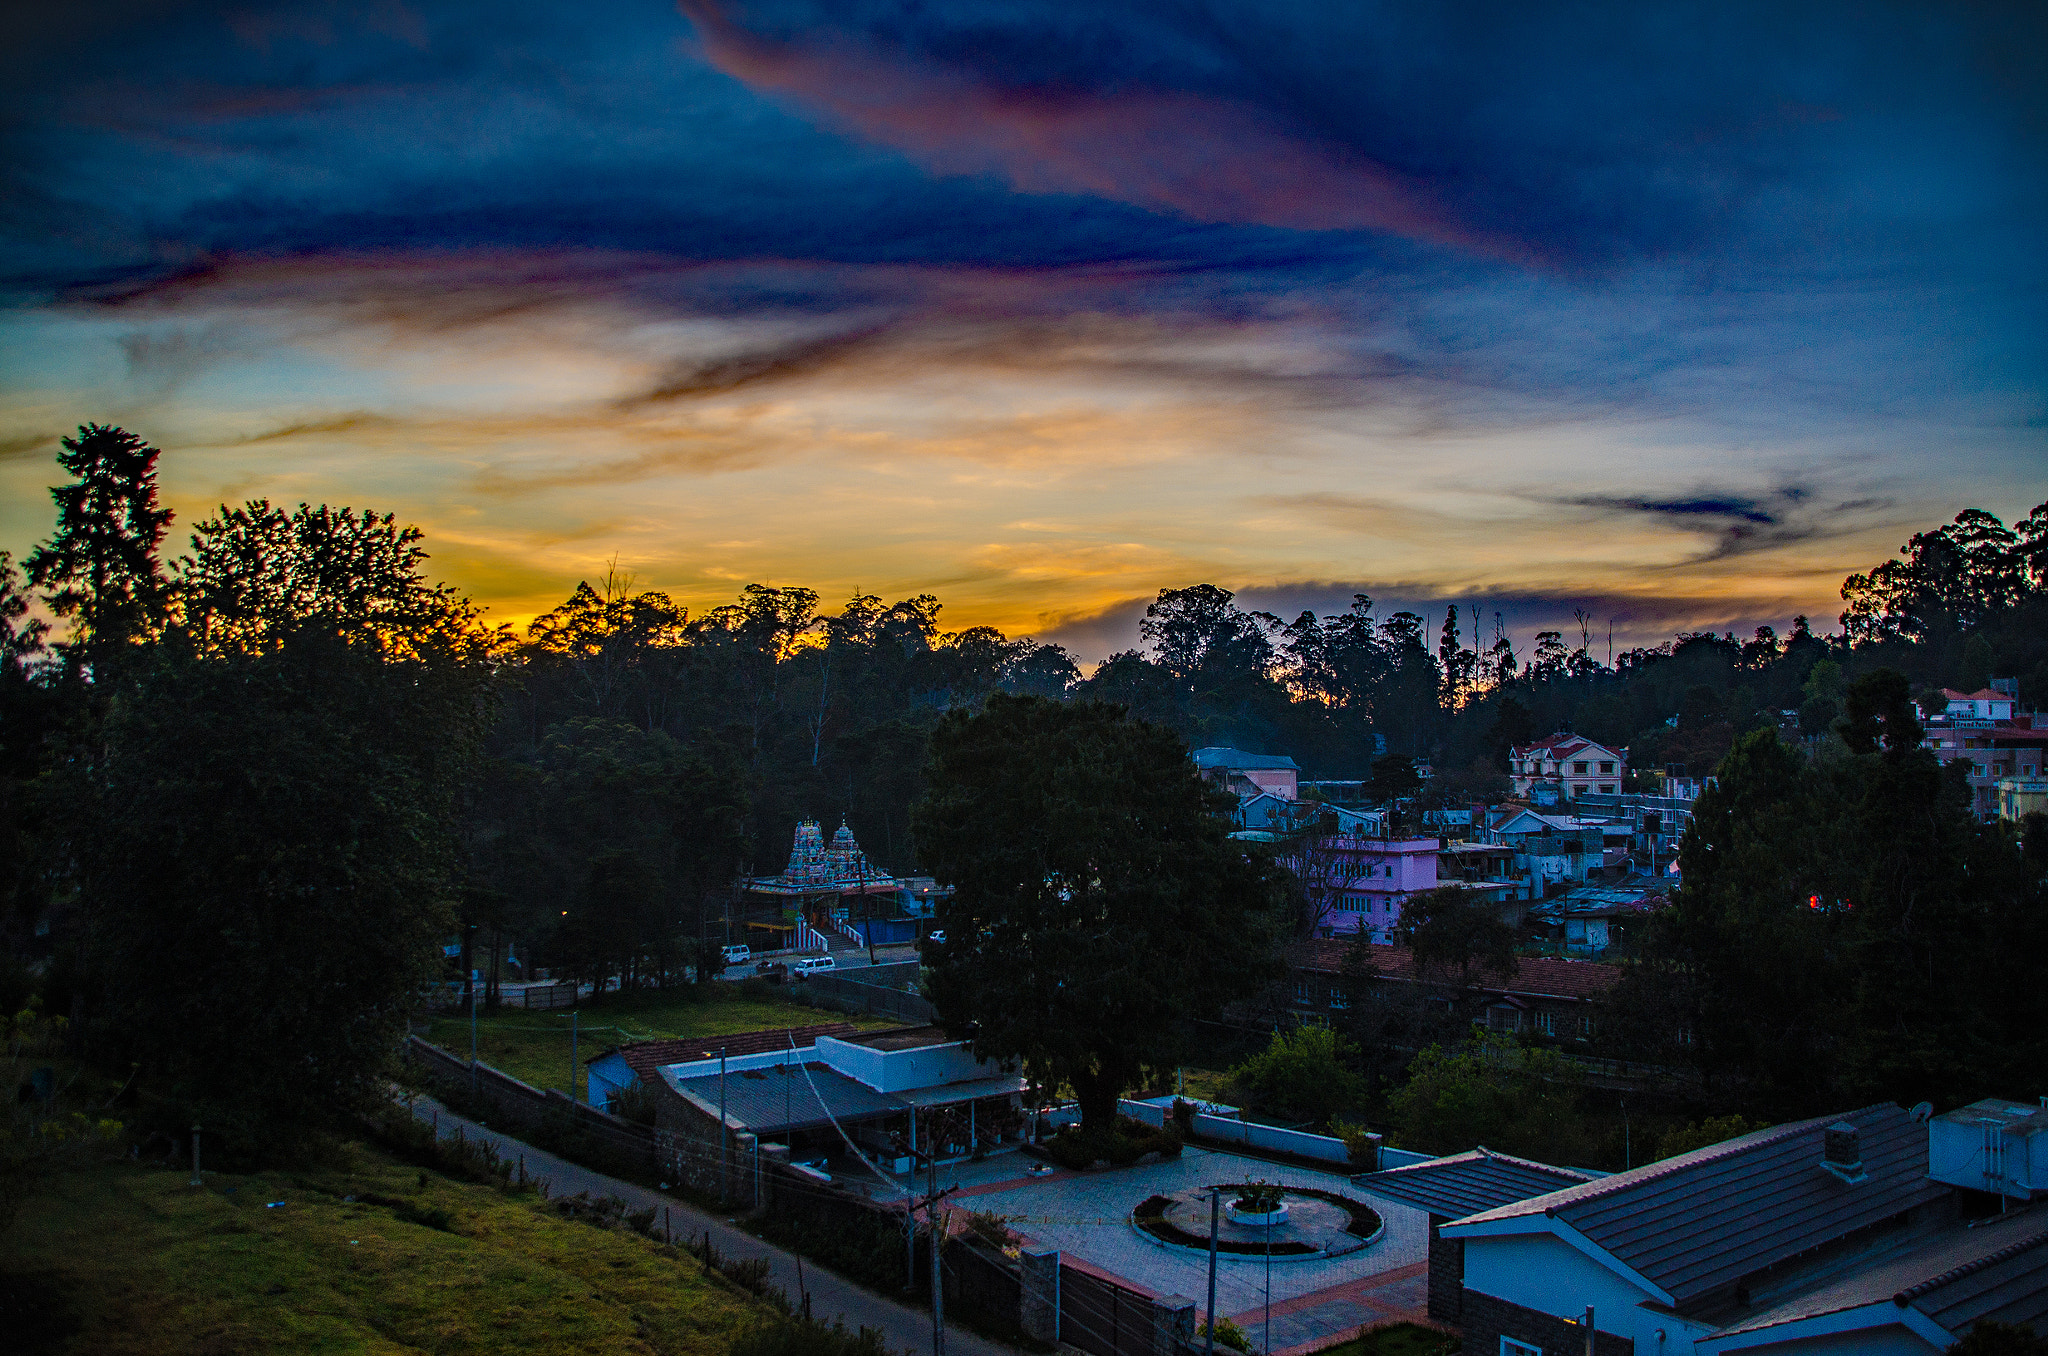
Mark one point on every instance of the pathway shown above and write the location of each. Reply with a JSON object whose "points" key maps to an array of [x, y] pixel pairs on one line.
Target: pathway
{"points": [[903, 1328]]}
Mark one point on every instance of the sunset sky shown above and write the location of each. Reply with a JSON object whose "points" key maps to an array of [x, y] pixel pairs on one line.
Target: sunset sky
{"points": [[1672, 312]]}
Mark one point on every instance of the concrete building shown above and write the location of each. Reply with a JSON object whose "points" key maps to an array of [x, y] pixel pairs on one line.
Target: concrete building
{"points": [[1994, 742], [1247, 774], [1568, 766], [1368, 879], [1545, 999], [895, 1093], [1828, 1236]]}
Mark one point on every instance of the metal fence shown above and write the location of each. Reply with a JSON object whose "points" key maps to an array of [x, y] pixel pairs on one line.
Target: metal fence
{"points": [[1103, 1318]]}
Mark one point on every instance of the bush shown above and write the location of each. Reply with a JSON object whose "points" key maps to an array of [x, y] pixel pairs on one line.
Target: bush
{"points": [[1228, 1334], [1685, 1138], [1123, 1145], [1303, 1071], [801, 1337]]}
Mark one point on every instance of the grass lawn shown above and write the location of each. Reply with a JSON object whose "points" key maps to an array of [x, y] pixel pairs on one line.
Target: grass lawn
{"points": [[1398, 1339], [145, 1264], [534, 1046]]}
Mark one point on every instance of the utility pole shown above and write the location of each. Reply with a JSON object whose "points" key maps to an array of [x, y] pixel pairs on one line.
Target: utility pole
{"points": [[1215, 1208], [472, 1030], [1592, 1333], [931, 1217], [724, 1158], [867, 911]]}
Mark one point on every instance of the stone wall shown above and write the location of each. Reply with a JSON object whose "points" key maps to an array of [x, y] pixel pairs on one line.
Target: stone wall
{"points": [[551, 1119], [1486, 1320]]}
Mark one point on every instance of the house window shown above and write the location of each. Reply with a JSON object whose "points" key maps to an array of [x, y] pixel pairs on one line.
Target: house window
{"points": [[1301, 989], [1606, 788], [1339, 999], [1546, 1024], [1579, 767], [1510, 1347], [1585, 1028], [1607, 769]]}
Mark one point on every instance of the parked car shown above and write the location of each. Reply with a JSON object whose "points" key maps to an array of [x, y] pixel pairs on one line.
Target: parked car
{"points": [[772, 970], [810, 965], [938, 936], [737, 955]]}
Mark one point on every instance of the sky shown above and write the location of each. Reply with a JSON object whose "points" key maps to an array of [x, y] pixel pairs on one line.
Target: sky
{"points": [[1664, 315]]}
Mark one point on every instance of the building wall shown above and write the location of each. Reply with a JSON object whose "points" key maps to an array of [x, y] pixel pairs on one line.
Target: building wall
{"points": [[1486, 1320], [926, 1066], [1446, 1274], [1894, 1340], [1545, 1275]]}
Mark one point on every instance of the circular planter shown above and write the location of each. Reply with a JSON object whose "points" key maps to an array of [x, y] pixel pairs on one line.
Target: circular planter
{"points": [[1257, 1218]]}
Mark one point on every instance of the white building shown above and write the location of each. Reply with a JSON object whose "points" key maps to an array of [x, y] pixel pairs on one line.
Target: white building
{"points": [[1570, 765]]}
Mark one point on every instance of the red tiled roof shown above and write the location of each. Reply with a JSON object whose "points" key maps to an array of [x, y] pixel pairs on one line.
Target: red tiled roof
{"points": [[644, 1057], [1535, 976], [1560, 745], [1987, 695]]}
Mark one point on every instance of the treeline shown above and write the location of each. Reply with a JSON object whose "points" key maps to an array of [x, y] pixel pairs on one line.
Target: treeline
{"points": [[250, 791]]}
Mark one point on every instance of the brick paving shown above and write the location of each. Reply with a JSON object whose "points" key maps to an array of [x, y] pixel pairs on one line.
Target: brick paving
{"points": [[1087, 1216]]}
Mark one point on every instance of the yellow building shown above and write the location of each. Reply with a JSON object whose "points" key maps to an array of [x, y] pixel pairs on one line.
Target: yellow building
{"points": [[2021, 796]]}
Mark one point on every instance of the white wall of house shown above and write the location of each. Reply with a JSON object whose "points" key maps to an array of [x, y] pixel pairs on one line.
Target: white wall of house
{"points": [[924, 1066], [1545, 1273], [1891, 1340]]}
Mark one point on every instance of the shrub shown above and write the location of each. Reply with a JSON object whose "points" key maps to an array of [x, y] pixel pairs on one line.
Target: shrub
{"points": [[1303, 1071], [1685, 1138], [801, 1337], [1228, 1334], [1127, 1142]]}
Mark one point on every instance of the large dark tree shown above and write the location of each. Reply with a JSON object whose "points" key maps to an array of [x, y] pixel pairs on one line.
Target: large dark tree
{"points": [[267, 854], [1099, 904]]}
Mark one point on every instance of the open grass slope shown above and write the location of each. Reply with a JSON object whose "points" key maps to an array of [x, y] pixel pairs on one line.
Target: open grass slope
{"points": [[534, 1046], [144, 1263]]}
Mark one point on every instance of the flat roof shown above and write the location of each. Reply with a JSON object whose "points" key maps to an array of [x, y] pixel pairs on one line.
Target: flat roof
{"points": [[902, 1038]]}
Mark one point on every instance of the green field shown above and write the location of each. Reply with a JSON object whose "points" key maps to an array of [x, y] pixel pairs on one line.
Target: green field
{"points": [[534, 1046], [129, 1259]]}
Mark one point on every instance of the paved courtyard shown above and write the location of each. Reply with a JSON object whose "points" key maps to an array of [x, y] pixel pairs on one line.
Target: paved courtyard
{"points": [[1087, 1216]]}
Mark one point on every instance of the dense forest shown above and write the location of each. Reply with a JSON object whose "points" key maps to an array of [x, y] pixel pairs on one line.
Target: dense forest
{"points": [[292, 710]]}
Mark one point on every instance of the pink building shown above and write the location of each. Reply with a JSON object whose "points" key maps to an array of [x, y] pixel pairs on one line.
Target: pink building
{"points": [[1366, 880]]}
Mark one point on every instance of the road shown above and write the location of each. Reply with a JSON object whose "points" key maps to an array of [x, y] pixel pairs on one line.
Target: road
{"points": [[903, 1328]]}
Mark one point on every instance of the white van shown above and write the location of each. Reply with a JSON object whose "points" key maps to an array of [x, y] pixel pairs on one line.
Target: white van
{"points": [[810, 965], [737, 955]]}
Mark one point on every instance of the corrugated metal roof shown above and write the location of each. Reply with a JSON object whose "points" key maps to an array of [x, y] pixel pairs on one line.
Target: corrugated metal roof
{"points": [[770, 1101], [1464, 1184], [1236, 758], [1703, 1220]]}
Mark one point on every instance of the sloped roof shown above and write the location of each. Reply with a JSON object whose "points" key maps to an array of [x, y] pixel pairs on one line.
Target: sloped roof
{"points": [[1994, 1268], [1985, 695], [1535, 976], [644, 1057], [1464, 1184], [1703, 1220], [1217, 756], [1561, 745]]}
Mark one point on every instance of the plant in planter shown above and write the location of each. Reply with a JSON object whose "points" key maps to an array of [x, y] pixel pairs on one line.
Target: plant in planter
{"points": [[1257, 1198]]}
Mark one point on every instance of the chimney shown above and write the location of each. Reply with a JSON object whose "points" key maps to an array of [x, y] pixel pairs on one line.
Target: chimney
{"points": [[1842, 1152]]}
